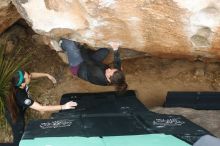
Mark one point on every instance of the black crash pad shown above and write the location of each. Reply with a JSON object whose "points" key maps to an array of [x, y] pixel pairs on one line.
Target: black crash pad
{"points": [[175, 125], [109, 114], [195, 100], [102, 103]]}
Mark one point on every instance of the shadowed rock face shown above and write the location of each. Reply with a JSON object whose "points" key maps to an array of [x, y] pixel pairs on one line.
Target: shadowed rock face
{"points": [[171, 28], [8, 15]]}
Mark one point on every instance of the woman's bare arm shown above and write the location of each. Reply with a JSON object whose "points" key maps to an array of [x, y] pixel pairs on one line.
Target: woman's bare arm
{"points": [[39, 75], [42, 108]]}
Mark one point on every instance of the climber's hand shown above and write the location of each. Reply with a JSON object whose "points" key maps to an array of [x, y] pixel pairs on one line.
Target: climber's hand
{"points": [[114, 45]]}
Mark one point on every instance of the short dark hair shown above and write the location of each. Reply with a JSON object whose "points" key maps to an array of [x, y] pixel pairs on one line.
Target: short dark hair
{"points": [[118, 80]]}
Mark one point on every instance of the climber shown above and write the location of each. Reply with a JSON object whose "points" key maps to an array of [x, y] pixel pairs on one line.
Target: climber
{"points": [[87, 64], [20, 99]]}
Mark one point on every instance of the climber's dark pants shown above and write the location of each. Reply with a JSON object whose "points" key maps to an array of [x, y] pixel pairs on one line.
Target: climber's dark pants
{"points": [[17, 127]]}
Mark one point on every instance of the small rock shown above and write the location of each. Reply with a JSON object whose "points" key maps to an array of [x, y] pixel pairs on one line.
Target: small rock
{"points": [[199, 72]]}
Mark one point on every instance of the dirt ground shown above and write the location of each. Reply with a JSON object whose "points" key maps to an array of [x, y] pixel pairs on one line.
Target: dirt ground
{"points": [[150, 77]]}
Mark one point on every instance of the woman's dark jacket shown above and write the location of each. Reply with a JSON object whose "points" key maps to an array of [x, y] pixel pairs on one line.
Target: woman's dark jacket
{"points": [[94, 71]]}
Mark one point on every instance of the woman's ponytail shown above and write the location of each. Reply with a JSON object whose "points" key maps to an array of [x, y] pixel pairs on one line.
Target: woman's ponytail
{"points": [[11, 100]]}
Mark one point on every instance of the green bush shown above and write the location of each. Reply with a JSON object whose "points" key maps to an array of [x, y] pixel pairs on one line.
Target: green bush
{"points": [[9, 64]]}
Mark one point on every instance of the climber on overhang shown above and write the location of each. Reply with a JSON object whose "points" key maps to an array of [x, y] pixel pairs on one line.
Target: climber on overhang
{"points": [[88, 64]]}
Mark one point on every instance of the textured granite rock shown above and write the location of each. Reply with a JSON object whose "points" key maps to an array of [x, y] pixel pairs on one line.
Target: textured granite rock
{"points": [[8, 15], [166, 28]]}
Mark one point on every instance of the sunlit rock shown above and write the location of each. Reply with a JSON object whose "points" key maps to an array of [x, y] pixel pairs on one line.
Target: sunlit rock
{"points": [[173, 28]]}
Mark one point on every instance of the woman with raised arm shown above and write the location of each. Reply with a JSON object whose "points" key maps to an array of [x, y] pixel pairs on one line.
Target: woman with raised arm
{"points": [[20, 99]]}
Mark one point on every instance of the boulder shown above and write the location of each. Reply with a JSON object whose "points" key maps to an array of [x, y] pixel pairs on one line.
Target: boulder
{"points": [[8, 15], [171, 28]]}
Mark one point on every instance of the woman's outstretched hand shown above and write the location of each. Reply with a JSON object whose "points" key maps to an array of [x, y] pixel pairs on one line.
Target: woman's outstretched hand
{"points": [[114, 45], [54, 81], [69, 105]]}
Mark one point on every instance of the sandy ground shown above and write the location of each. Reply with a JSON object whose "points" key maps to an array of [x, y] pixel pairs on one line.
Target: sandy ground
{"points": [[150, 77]]}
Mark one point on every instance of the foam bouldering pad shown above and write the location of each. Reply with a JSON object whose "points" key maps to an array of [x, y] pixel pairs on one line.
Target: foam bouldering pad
{"points": [[108, 115], [102, 103], [176, 125], [195, 100], [207, 140], [131, 140], [112, 125]]}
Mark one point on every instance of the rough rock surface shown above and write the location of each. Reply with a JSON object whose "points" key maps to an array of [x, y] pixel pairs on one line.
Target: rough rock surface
{"points": [[167, 28], [8, 15]]}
